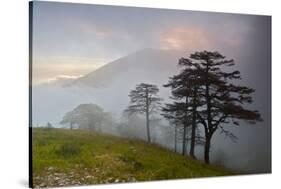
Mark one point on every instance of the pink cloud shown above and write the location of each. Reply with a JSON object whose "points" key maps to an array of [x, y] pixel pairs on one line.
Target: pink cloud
{"points": [[185, 38]]}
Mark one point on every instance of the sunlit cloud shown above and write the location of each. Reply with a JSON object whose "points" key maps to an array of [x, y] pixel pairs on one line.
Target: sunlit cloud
{"points": [[184, 38], [63, 77], [50, 69]]}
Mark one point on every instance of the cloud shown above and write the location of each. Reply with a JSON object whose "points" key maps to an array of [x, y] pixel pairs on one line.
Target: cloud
{"points": [[51, 68], [184, 38], [63, 77], [101, 31], [98, 31]]}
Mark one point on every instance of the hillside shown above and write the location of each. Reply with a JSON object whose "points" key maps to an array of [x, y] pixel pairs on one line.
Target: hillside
{"points": [[64, 157]]}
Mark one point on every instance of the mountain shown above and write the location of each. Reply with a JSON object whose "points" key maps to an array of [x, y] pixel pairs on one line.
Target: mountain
{"points": [[107, 86], [148, 65]]}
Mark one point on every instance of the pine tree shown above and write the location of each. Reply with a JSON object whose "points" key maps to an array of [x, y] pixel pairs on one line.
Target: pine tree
{"points": [[144, 99], [186, 98], [224, 100]]}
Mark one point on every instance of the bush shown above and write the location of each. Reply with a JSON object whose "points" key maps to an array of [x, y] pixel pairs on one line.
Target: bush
{"points": [[131, 160], [42, 142], [68, 150]]}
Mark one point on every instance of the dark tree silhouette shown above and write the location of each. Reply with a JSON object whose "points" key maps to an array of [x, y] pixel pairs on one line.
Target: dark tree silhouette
{"points": [[186, 90], [224, 100], [194, 84], [144, 99]]}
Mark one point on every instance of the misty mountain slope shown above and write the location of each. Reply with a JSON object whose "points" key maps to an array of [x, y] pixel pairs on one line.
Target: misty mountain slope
{"points": [[148, 65], [107, 86]]}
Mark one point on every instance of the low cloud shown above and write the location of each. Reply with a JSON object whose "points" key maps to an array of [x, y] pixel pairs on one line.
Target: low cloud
{"points": [[63, 77], [50, 69]]}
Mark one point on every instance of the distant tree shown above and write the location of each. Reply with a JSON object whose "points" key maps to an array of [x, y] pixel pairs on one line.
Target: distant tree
{"points": [[176, 137], [86, 116], [131, 126], [49, 125], [144, 99], [69, 117], [224, 100], [177, 114]]}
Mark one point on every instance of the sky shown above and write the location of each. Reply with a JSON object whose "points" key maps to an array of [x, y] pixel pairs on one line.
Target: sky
{"points": [[71, 40]]}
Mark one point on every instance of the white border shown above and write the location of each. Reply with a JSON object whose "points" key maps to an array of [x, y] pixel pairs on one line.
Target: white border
{"points": [[14, 91]]}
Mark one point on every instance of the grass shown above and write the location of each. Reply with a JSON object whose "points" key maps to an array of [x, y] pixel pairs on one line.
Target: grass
{"points": [[74, 157]]}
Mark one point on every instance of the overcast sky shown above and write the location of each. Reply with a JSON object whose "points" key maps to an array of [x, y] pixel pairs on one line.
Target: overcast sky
{"points": [[71, 40]]}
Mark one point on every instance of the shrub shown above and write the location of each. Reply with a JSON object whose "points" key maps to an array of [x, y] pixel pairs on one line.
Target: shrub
{"points": [[68, 150]]}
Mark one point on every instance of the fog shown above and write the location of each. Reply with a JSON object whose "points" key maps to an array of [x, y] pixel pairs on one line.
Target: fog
{"points": [[109, 86]]}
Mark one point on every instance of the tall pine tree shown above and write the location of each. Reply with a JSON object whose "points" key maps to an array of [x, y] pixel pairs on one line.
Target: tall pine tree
{"points": [[144, 99]]}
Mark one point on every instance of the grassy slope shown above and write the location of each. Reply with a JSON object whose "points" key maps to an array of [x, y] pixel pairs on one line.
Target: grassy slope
{"points": [[64, 157]]}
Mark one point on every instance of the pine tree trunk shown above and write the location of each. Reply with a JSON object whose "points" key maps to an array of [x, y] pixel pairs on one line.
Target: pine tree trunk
{"points": [[176, 138], [147, 127], [207, 148], [193, 131], [185, 128], [193, 134], [147, 117], [209, 122]]}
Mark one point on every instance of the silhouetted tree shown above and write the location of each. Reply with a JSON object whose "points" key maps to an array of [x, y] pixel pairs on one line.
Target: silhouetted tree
{"points": [[144, 99], [224, 100], [194, 84], [186, 90]]}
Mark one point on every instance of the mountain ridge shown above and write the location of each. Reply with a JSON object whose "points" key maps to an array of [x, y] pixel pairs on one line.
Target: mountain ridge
{"points": [[131, 64]]}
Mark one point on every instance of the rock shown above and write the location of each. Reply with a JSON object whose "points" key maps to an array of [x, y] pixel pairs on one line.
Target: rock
{"points": [[42, 185], [56, 178], [132, 179], [50, 168]]}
